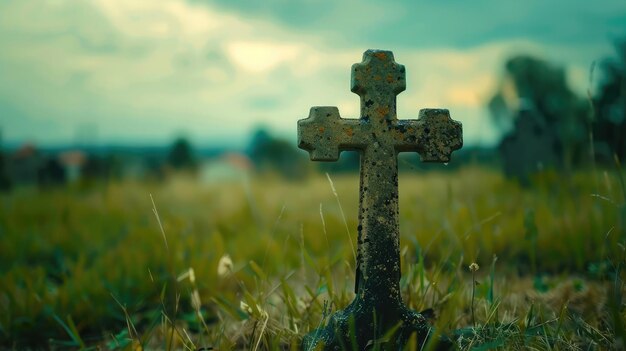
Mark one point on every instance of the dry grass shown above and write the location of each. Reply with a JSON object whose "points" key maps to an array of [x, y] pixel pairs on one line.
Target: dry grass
{"points": [[90, 267]]}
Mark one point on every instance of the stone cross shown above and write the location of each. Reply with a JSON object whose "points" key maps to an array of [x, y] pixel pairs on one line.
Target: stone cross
{"points": [[379, 136]]}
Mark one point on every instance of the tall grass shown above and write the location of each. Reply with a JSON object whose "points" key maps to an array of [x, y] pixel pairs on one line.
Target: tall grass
{"points": [[89, 267]]}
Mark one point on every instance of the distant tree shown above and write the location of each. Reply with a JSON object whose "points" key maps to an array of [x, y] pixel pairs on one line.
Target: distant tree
{"points": [[349, 161], [534, 85], [101, 168], [181, 155], [5, 183], [609, 124], [51, 173], [274, 154]]}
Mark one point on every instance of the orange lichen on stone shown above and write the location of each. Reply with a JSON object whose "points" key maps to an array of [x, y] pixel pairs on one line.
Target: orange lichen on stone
{"points": [[381, 55], [382, 111]]}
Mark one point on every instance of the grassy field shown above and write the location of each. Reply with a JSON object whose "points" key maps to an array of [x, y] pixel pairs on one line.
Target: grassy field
{"points": [[257, 265]]}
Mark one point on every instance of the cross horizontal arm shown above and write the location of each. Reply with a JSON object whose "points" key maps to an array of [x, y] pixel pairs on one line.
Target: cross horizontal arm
{"points": [[324, 134], [434, 135]]}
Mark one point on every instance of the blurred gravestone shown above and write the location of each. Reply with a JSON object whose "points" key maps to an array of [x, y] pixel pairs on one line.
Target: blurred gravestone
{"points": [[377, 317], [530, 147]]}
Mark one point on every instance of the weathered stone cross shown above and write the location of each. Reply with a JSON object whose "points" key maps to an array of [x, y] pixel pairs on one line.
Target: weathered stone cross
{"points": [[379, 136]]}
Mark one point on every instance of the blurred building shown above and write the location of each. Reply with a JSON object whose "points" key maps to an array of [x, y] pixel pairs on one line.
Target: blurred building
{"points": [[24, 164], [230, 167], [73, 163]]}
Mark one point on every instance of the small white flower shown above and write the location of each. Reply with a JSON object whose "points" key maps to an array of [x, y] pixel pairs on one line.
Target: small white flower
{"points": [[225, 266], [474, 267], [244, 307], [251, 312]]}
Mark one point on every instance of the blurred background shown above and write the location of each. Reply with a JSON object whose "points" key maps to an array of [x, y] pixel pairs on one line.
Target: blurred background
{"points": [[109, 89], [149, 173]]}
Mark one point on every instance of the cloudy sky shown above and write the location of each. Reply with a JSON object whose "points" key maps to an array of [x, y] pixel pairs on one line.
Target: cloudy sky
{"points": [[145, 71]]}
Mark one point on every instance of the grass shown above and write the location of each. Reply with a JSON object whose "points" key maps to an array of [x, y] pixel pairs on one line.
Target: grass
{"points": [[93, 267]]}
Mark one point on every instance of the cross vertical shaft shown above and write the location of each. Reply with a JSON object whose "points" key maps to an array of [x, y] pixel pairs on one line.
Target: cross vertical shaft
{"points": [[377, 80], [378, 266]]}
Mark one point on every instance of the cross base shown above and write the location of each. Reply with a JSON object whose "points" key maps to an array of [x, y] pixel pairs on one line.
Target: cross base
{"points": [[359, 327]]}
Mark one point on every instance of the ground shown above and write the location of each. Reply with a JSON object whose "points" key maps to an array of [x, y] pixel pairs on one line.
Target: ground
{"points": [[257, 264]]}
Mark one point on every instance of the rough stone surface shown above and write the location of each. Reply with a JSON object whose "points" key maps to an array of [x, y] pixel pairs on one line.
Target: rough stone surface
{"points": [[379, 136]]}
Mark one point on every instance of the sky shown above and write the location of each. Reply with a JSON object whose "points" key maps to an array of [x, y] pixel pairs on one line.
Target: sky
{"points": [[142, 72]]}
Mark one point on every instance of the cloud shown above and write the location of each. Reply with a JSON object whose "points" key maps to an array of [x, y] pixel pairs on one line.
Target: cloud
{"points": [[142, 71], [435, 23], [259, 56]]}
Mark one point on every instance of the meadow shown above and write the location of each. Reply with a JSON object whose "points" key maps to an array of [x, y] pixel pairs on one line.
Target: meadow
{"points": [[255, 265]]}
